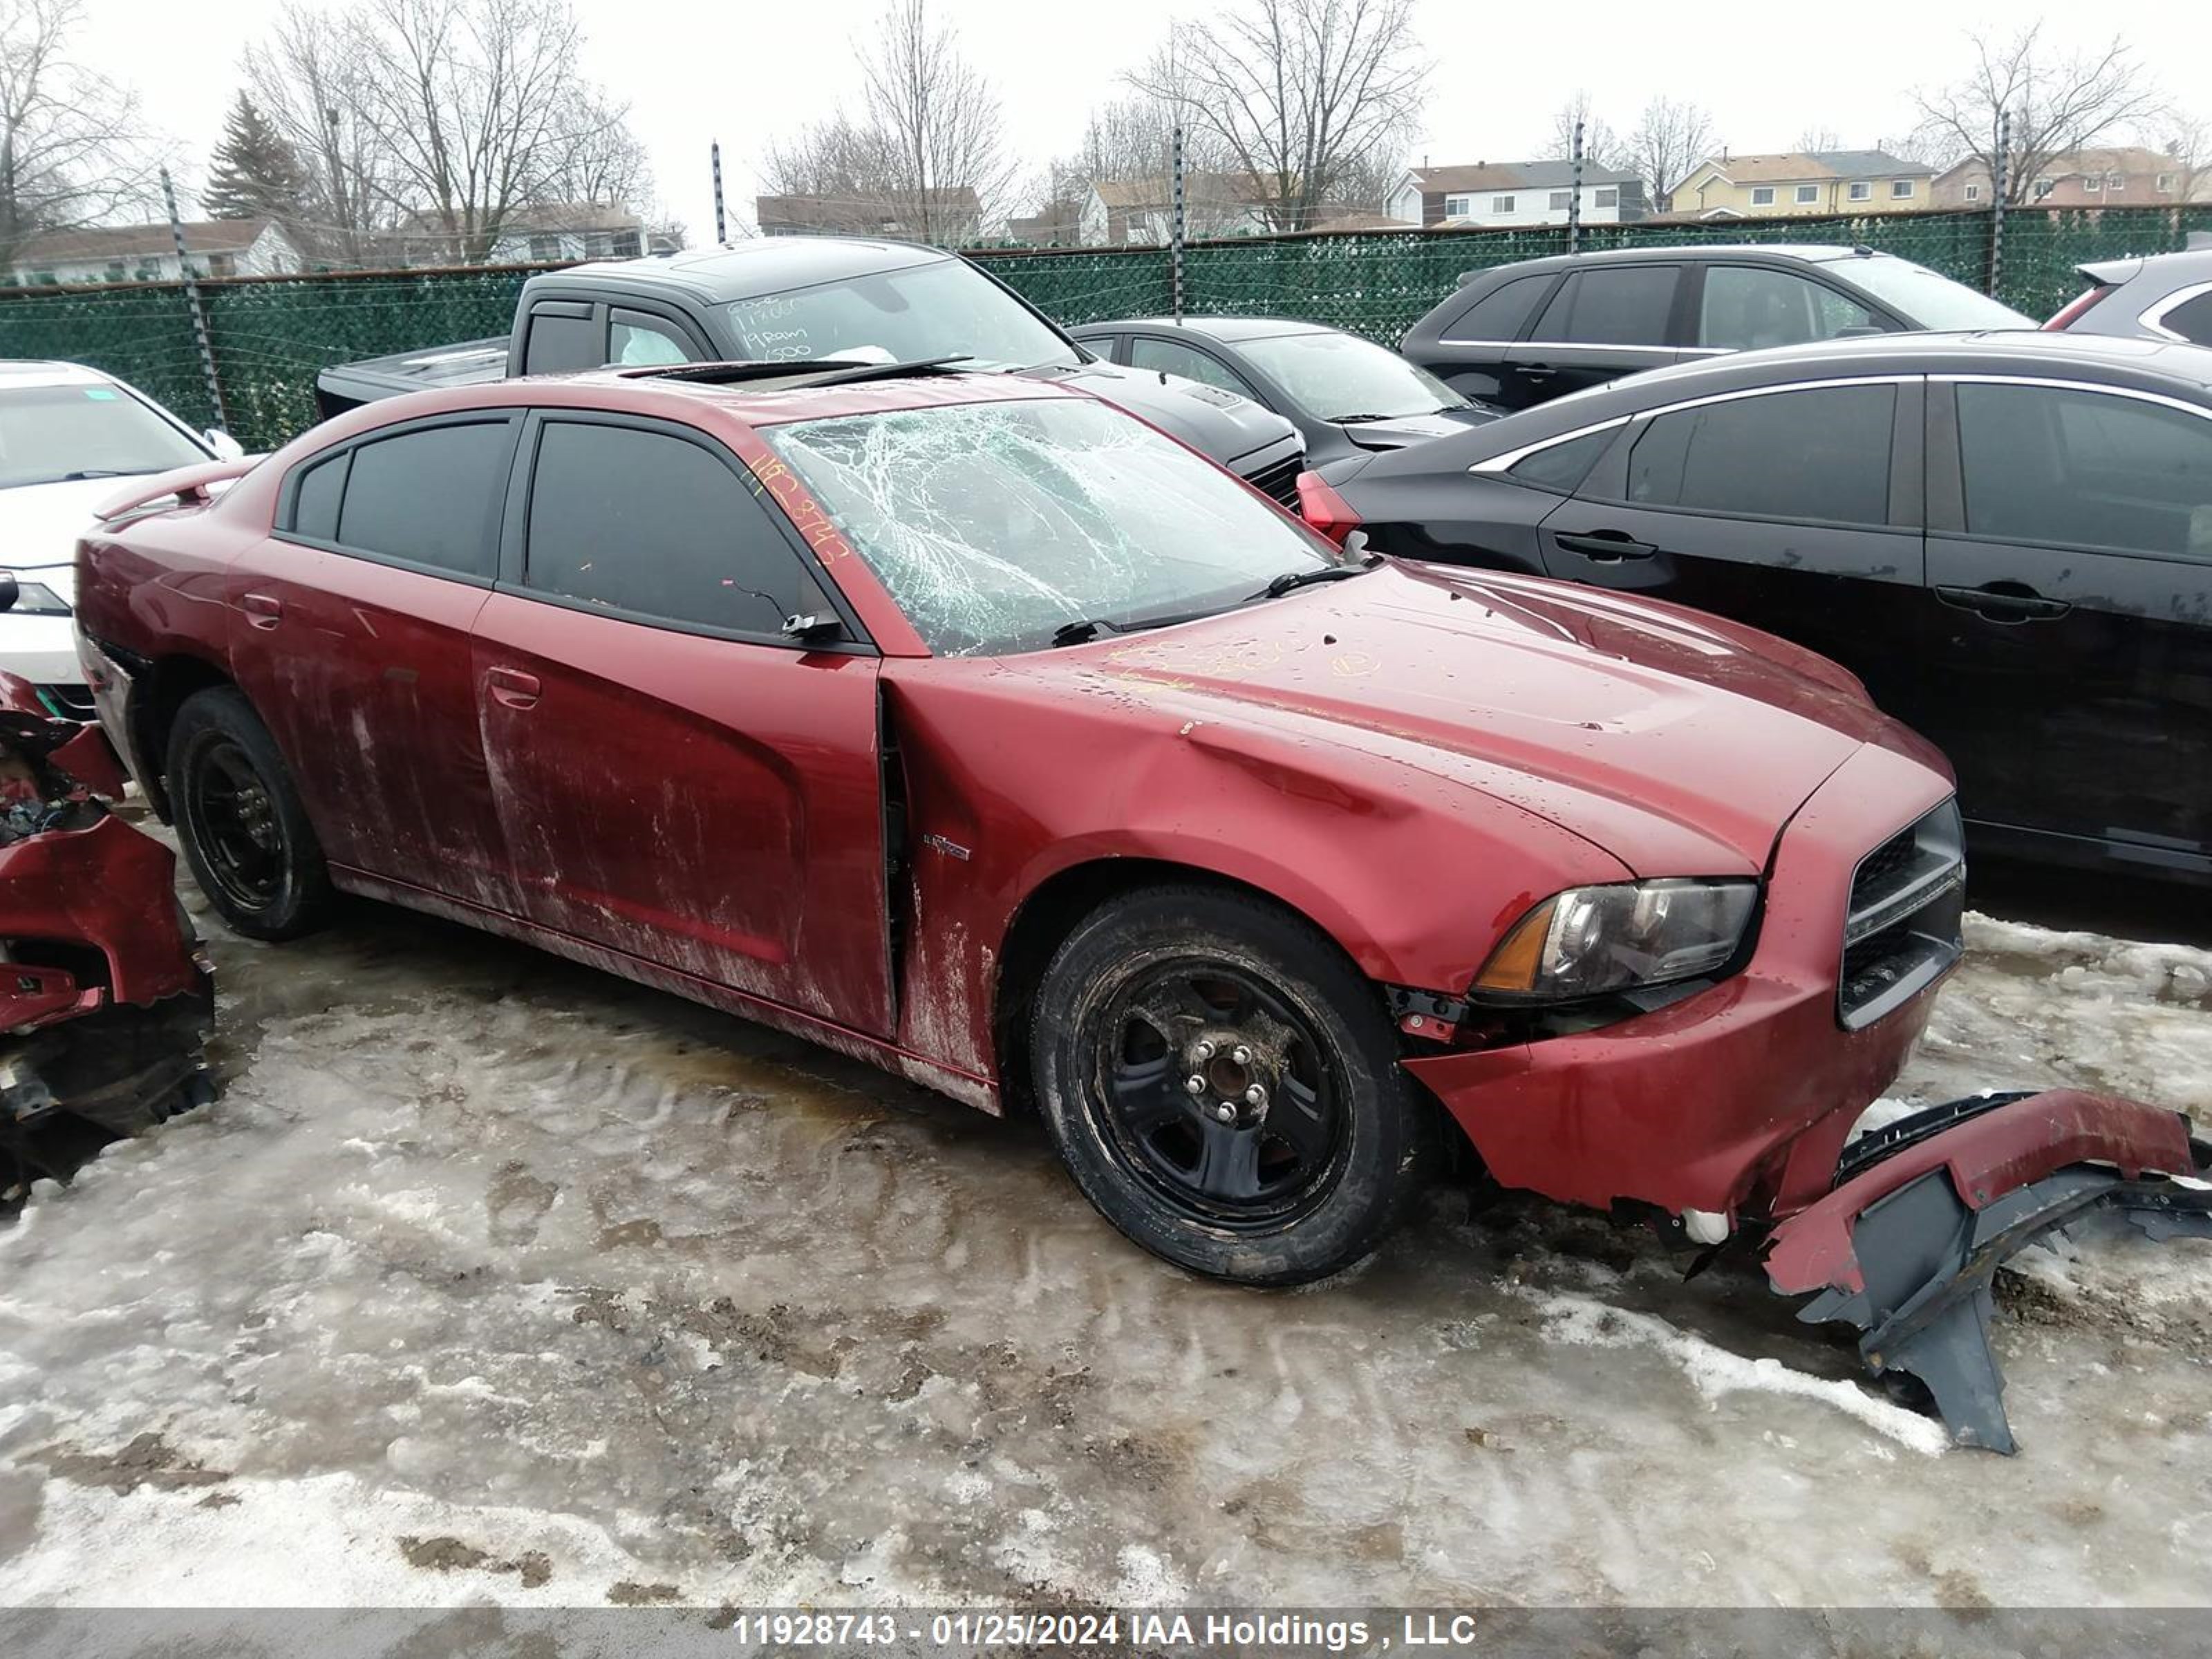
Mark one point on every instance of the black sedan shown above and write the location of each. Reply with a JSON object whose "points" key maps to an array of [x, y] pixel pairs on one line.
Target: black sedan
{"points": [[1343, 393], [2007, 536]]}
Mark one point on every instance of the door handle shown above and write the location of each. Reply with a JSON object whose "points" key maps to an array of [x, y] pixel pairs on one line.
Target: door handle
{"points": [[2005, 602], [262, 610], [1538, 371], [1605, 546], [513, 688]]}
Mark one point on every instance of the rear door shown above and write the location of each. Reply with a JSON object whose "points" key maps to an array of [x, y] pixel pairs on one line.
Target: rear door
{"points": [[2070, 553], [1603, 321], [1468, 350], [1795, 508], [677, 780], [351, 637]]}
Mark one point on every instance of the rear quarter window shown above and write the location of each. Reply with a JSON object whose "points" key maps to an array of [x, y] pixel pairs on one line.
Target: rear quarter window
{"points": [[1500, 314], [431, 496]]}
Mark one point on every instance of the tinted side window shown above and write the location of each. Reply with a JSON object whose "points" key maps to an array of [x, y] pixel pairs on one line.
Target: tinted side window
{"points": [[1175, 358], [1499, 314], [315, 501], [2085, 469], [560, 344], [1617, 305], [637, 340], [656, 524], [2192, 319], [1564, 466], [431, 496], [1821, 457], [1747, 307]]}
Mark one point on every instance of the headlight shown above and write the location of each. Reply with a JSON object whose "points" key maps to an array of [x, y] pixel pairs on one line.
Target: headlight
{"points": [[1590, 940]]}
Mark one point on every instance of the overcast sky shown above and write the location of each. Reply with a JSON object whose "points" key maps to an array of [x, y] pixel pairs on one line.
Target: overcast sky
{"points": [[744, 72]]}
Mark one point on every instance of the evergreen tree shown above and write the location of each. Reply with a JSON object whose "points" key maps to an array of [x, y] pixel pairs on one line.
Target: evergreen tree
{"points": [[256, 175]]}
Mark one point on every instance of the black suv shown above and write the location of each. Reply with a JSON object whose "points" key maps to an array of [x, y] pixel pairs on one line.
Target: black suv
{"points": [[1522, 334]]}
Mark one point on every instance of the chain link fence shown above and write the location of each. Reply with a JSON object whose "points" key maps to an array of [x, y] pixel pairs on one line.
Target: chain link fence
{"points": [[270, 336]]}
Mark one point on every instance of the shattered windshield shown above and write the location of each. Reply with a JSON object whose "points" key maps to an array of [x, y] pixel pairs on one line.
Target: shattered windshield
{"points": [[995, 525], [944, 308]]}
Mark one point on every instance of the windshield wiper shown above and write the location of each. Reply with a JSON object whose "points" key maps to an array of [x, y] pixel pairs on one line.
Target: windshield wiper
{"points": [[1292, 580], [1347, 420], [1082, 631], [104, 472]]}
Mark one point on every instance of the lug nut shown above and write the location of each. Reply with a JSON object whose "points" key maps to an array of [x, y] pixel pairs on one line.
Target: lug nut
{"points": [[1205, 1050], [1241, 1055], [1193, 1084], [1255, 1095], [1225, 1112]]}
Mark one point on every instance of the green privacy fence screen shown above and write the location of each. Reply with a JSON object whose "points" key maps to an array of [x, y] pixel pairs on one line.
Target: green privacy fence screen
{"points": [[270, 336]]}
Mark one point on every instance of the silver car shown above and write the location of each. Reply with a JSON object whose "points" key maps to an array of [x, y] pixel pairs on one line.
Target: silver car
{"points": [[2160, 296]]}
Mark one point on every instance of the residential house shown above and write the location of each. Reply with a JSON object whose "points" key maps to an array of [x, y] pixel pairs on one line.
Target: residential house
{"points": [[1056, 224], [1799, 182], [1140, 212], [2125, 177], [1515, 193], [955, 215], [147, 253], [568, 230]]}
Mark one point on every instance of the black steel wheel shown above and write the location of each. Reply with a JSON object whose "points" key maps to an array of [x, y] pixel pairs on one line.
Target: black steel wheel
{"points": [[1223, 1085], [239, 818]]}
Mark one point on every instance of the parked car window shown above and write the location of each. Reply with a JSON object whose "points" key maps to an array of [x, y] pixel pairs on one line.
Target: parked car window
{"points": [[1925, 298], [558, 344], [50, 433], [636, 340], [995, 525], [315, 499], [655, 524], [1747, 307], [1500, 314], [2191, 319], [1342, 377], [1618, 305], [1564, 466], [2086, 469], [431, 496], [1820, 456], [1173, 357]]}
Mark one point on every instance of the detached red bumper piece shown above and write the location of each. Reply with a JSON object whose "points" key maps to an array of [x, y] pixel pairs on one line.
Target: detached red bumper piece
{"points": [[104, 1003], [1924, 1210]]}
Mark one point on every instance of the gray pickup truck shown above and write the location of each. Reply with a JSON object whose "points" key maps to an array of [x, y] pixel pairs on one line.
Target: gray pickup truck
{"points": [[794, 298]]}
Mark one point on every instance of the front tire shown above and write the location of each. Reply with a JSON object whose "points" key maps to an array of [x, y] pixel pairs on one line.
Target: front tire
{"points": [[239, 818], [1303, 1142]]}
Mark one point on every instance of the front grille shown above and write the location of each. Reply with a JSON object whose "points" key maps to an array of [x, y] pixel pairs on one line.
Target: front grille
{"points": [[1280, 481], [72, 702], [1901, 932]]}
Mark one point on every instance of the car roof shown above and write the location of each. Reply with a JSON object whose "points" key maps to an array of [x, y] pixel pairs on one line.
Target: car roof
{"points": [[2100, 359], [1220, 328], [804, 394], [31, 371], [762, 264], [1679, 253]]}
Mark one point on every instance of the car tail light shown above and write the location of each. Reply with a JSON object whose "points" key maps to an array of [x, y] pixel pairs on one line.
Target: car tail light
{"points": [[1327, 512], [2074, 312]]}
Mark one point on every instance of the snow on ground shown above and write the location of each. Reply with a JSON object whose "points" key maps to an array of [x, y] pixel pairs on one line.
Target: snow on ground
{"points": [[490, 1279]]}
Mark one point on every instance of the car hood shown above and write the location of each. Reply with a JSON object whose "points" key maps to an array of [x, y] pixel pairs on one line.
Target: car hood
{"points": [[39, 525], [1220, 423], [1400, 431], [1677, 747]]}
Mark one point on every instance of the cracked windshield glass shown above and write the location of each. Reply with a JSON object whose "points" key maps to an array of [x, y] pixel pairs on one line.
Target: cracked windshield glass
{"points": [[998, 526]]}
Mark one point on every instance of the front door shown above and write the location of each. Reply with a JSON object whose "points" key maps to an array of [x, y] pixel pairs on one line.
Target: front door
{"points": [[678, 780], [349, 632], [2069, 553], [1796, 510]]}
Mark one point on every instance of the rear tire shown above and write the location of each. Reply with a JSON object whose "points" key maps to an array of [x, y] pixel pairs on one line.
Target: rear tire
{"points": [[1304, 1142], [240, 821]]}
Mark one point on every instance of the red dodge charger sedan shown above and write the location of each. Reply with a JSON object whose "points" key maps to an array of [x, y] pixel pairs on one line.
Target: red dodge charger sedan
{"points": [[974, 727]]}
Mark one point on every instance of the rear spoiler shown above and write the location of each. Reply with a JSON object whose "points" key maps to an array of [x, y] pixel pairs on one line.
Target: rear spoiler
{"points": [[187, 485]]}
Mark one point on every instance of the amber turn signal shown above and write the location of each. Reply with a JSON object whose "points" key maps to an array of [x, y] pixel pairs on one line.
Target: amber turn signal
{"points": [[1512, 966]]}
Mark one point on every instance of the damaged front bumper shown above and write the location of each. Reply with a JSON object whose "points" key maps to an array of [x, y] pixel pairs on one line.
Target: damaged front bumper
{"points": [[1924, 1212]]}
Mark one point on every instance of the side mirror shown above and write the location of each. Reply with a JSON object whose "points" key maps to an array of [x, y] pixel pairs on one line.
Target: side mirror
{"points": [[812, 628], [226, 447], [10, 590]]}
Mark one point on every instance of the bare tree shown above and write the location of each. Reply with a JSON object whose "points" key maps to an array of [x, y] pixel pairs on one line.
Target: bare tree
{"points": [[1814, 141], [1602, 148], [310, 83], [845, 168], [2059, 104], [72, 152], [2189, 141], [937, 120], [1297, 94], [1670, 137]]}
